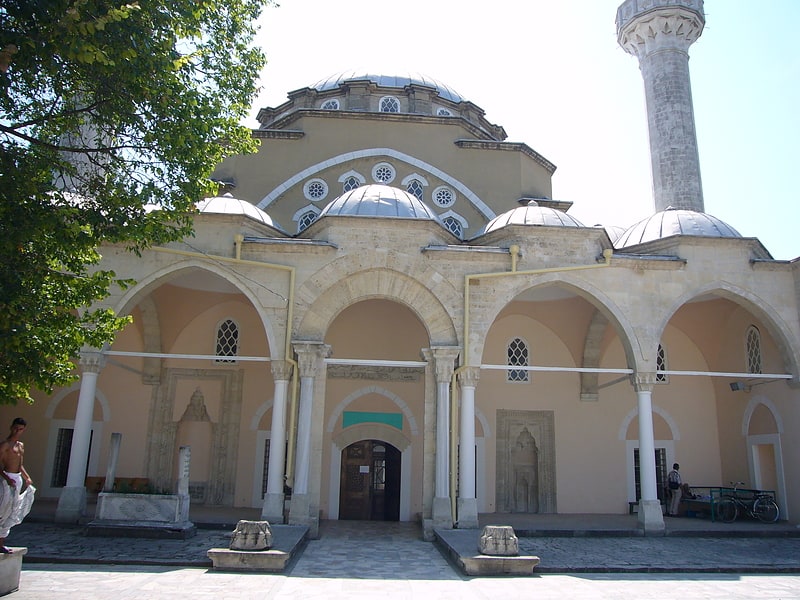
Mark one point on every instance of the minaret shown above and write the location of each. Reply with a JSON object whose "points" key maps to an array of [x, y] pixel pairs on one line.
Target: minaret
{"points": [[659, 33]]}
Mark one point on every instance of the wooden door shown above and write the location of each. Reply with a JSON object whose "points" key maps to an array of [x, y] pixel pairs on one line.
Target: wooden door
{"points": [[354, 487]]}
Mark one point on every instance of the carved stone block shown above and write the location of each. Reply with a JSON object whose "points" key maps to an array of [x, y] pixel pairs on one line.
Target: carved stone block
{"points": [[499, 540], [251, 535]]}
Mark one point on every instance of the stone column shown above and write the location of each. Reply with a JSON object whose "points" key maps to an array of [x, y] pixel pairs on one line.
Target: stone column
{"points": [[659, 33], [444, 364], [650, 516], [113, 458], [72, 501], [467, 501], [310, 356], [272, 510]]}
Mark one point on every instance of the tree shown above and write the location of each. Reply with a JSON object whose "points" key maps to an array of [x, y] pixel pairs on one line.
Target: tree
{"points": [[106, 109]]}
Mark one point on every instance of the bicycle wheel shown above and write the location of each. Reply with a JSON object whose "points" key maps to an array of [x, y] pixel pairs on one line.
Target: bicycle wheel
{"points": [[726, 510], [765, 510]]}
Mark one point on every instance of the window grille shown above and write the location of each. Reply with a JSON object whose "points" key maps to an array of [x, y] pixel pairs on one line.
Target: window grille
{"points": [[661, 365], [517, 357], [443, 196], [414, 188], [390, 104], [307, 219], [227, 341], [350, 183], [383, 173], [661, 473], [332, 104], [454, 226], [315, 190], [753, 350]]}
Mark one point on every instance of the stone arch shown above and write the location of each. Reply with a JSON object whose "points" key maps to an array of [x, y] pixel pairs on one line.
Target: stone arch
{"points": [[142, 289], [99, 396], [751, 407], [373, 389], [371, 431], [338, 287], [776, 326], [494, 302], [634, 412], [300, 176]]}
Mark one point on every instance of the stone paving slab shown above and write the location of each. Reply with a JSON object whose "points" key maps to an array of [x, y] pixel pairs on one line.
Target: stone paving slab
{"points": [[385, 550]]}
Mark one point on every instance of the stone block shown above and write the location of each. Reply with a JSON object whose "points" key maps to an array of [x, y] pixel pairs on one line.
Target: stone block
{"points": [[498, 540], [10, 568], [251, 536]]}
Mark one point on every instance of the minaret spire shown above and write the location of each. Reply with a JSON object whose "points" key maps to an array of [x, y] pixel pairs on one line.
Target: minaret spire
{"points": [[659, 33]]}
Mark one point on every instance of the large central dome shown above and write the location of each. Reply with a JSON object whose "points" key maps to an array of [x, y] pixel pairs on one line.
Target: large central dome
{"points": [[396, 81], [379, 201]]}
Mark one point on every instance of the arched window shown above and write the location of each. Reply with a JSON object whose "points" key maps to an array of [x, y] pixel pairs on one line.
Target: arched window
{"points": [[443, 112], [350, 183], [414, 187], [661, 364], [389, 104], [332, 104], [227, 341], [306, 219], [517, 357], [454, 226], [753, 349]]}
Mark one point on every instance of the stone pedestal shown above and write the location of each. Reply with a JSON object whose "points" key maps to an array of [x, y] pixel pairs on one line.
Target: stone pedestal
{"points": [[71, 505], [142, 515], [10, 568], [498, 540], [273, 508], [467, 513]]}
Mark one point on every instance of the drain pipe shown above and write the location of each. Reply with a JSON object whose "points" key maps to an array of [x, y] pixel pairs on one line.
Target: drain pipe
{"points": [[514, 251]]}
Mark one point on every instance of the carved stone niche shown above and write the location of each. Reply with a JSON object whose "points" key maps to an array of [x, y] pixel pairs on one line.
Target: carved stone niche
{"points": [[526, 466]]}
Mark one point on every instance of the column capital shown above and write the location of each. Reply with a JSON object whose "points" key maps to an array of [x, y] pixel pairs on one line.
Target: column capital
{"points": [[281, 369], [647, 26], [443, 359], [643, 382], [309, 356], [469, 376], [91, 360]]}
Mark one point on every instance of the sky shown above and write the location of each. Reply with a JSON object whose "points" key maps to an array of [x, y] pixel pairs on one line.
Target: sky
{"points": [[552, 74]]}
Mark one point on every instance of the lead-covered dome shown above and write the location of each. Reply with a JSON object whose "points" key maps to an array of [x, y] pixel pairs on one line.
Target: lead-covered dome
{"points": [[673, 221], [532, 214], [228, 205], [396, 81], [378, 200]]}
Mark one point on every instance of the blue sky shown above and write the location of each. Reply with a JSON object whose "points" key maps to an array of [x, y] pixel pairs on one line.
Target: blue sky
{"points": [[551, 73]]}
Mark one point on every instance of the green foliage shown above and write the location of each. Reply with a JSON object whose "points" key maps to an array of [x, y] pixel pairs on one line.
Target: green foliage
{"points": [[105, 108]]}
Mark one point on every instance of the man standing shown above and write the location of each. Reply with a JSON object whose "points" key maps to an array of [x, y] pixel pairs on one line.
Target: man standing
{"points": [[674, 479], [14, 503]]}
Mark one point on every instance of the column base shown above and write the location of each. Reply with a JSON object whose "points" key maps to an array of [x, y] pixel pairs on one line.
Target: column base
{"points": [[467, 513], [442, 516], [300, 514], [272, 510], [651, 517], [71, 505]]}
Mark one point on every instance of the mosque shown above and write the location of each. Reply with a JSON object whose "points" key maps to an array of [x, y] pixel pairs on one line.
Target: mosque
{"points": [[386, 315]]}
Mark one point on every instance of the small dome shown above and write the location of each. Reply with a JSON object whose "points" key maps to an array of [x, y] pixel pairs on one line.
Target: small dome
{"points": [[396, 81], [613, 231], [228, 205], [532, 214], [675, 222], [379, 201]]}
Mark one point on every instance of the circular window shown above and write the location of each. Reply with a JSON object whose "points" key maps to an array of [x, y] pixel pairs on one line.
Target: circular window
{"points": [[443, 196], [315, 189], [330, 104], [383, 173]]}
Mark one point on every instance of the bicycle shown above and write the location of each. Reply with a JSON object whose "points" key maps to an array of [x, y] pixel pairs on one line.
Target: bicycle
{"points": [[761, 506]]}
